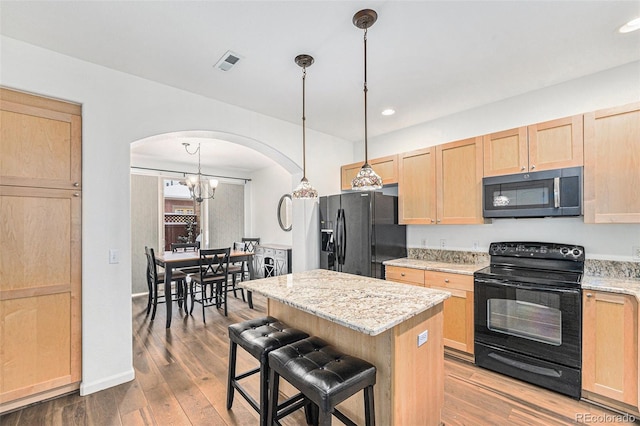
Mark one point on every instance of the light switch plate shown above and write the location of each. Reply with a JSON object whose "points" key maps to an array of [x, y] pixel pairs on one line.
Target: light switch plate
{"points": [[423, 337], [114, 256]]}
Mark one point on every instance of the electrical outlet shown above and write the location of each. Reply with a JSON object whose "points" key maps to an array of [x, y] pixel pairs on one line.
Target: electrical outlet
{"points": [[443, 243], [635, 252], [424, 243], [476, 246], [423, 337]]}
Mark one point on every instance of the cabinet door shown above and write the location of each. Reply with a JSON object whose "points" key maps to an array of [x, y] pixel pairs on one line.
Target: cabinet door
{"points": [[458, 309], [40, 285], [459, 182], [416, 187], [506, 152], [610, 346], [405, 275], [556, 144], [385, 167], [40, 142], [612, 165]]}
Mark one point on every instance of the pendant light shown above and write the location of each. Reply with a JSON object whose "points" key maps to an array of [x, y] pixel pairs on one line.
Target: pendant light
{"points": [[304, 188], [366, 179]]}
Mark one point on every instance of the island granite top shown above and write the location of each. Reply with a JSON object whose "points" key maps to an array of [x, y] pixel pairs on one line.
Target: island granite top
{"points": [[367, 305]]}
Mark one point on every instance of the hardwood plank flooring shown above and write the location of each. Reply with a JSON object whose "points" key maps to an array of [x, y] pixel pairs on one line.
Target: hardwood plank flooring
{"points": [[181, 380]]}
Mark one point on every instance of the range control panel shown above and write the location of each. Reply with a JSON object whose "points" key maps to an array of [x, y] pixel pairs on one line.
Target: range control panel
{"points": [[537, 250]]}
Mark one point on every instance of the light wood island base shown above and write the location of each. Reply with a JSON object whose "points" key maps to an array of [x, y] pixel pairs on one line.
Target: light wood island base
{"points": [[409, 386]]}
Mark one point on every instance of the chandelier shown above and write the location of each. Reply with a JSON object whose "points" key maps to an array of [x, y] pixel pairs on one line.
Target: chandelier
{"points": [[304, 188], [366, 179], [200, 189]]}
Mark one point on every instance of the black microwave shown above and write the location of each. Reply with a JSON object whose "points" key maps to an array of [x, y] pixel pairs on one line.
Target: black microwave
{"points": [[536, 194]]}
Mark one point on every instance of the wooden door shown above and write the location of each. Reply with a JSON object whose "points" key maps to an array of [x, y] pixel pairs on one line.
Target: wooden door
{"points": [[458, 309], [556, 144], [385, 167], [417, 187], [612, 165], [40, 235], [506, 152], [459, 182], [610, 346]]}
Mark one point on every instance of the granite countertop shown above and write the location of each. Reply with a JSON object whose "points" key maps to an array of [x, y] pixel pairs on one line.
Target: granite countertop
{"points": [[368, 305], [615, 285], [430, 265]]}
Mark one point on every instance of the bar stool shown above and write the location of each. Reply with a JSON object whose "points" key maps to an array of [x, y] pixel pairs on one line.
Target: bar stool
{"points": [[324, 375], [259, 337]]}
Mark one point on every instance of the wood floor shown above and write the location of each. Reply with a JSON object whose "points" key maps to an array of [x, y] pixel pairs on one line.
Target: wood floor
{"points": [[181, 380]]}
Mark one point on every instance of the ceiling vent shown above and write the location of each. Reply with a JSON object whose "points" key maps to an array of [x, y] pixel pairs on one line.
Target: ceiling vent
{"points": [[228, 60]]}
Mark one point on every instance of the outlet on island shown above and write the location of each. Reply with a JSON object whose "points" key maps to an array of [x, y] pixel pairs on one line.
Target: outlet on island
{"points": [[423, 337]]}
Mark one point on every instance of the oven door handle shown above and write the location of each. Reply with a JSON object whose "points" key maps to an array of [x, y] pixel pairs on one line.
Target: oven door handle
{"points": [[556, 192], [525, 286]]}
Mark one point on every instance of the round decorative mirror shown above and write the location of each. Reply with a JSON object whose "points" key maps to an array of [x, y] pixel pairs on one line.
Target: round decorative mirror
{"points": [[285, 218]]}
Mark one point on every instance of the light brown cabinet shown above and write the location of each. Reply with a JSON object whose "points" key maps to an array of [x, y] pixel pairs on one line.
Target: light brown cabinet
{"points": [[610, 347], [405, 275], [441, 184], [458, 309], [544, 146], [612, 165], [385, 167], [40, 234]]}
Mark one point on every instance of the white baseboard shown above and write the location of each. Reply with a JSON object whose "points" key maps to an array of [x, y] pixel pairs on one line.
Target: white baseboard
{"points": [[107, 382]]}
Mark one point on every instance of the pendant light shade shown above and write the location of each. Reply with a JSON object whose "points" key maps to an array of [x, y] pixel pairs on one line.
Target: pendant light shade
{"points": [[366, 179], [304, 190]]}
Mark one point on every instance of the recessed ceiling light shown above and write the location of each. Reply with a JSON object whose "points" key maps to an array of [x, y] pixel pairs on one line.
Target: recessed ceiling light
{"points": [[632, 25], [388, 111]]}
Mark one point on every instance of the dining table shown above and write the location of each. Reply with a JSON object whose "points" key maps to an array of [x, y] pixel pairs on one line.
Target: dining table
{"points": [[170, 260]]}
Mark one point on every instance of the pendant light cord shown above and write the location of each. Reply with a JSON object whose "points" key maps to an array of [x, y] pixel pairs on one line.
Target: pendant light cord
{"points": [[366, 156], [304, 118]]}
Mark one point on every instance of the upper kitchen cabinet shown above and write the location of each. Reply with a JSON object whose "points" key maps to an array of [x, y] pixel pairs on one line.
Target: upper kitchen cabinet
{"points": [[442, 184], [551, 145], [386, 167], [459, 182], [52, 157], [612, 165], [417, 187]]}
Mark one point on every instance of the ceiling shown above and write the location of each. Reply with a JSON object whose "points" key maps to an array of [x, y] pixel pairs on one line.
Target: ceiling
{"points": [[426, 59]]}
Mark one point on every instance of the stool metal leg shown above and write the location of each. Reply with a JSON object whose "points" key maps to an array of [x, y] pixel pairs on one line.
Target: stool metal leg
{"points": [[264, 393], [233, 351], [369, 409], [274, 379]]}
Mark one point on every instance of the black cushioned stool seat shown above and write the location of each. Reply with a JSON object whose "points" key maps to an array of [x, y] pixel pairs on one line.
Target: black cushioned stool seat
{"points": [[258, 337], [323, 375]]}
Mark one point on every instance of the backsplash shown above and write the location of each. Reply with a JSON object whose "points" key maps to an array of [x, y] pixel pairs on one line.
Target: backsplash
{"points": [[612, 269], [449, 256]]}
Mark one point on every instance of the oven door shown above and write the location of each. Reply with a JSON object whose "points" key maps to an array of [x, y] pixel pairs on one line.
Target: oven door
{"points": [[535, 320]]}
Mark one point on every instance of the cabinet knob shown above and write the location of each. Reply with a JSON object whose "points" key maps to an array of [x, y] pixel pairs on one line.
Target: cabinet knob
{"points": [[431, 220], [522, 168], [438, 221], [446, 280], [533, 166], [589, 295], [402, 274], [76, 184], [76, 194]]}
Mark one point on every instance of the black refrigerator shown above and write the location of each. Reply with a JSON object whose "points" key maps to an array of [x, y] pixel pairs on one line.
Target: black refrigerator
{"points": [[359, 231]]}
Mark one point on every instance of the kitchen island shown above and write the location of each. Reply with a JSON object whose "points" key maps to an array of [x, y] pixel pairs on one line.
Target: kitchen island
{"points": [[382, 322]]}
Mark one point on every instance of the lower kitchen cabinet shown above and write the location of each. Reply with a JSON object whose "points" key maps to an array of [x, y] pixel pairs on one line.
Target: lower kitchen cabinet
{"points": [[610, 348], [405, 275], [458, 309]]}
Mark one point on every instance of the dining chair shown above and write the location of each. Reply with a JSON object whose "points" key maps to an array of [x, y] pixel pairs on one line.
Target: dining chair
{"points": [[214, 273], [250, 246], [155, 279], [237, 269], [176, 247]]}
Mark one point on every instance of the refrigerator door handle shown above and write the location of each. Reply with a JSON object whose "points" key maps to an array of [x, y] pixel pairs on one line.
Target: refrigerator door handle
{"points": [[343, 235], [338, 239]]}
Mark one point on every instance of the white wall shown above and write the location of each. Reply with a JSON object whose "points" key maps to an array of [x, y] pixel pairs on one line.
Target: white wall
{"points": [[118, 109], [610, 88], [267, 186]]}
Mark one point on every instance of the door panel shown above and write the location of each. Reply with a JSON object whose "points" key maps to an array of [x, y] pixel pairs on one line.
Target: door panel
{"points": [[357, 218]]}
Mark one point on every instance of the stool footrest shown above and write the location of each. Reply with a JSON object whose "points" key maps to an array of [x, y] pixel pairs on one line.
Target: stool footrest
{"points": [[247, 374]]}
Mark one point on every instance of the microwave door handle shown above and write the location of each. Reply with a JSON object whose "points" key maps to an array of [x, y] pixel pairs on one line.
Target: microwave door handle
{"points": [[556, 192]]}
